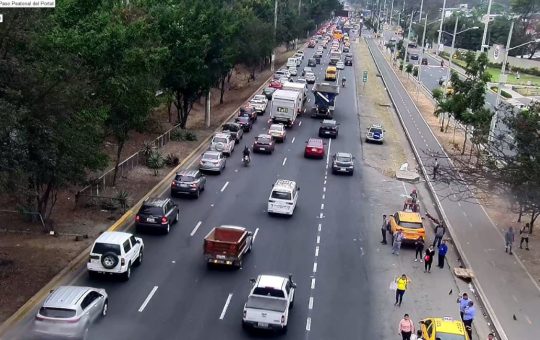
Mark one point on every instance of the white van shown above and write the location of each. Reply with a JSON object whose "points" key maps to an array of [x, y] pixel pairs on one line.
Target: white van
{"points": [[292, 62], [283, 197]]}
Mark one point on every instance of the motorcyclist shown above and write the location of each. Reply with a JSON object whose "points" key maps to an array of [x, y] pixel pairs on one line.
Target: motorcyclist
{"points": [[343, 80], [246, 153]]}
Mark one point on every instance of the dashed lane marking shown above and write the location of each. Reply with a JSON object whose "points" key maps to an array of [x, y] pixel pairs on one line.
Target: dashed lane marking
{"points": [[314, 267], [225, 307], [312, 283], [310, 304], [318, 239], [225, 186], [322, 206], [308, 324], [195, 229], [316, 251], [284, 161], [152, 292], [254, 235], [293, 140]]}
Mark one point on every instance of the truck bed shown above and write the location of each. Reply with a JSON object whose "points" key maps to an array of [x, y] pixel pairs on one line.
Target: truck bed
{"points": [[227, 241], [326, 88]]}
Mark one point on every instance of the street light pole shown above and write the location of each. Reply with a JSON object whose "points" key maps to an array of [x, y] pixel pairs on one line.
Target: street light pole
{"points": [[273, 57], [451, 56], [391, 13], [408, 40], [486, 27], [421, 7], [440, 27], [422, 56]]}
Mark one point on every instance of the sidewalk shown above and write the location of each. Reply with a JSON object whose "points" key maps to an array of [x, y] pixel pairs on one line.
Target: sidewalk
{"points": [[510, 293]]}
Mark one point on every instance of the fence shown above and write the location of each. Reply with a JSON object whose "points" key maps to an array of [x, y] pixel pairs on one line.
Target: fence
{"points": [[99, 184]]}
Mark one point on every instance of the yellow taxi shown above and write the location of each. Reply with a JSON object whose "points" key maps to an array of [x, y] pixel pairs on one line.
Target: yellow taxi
{"points": [[330, 74], [410, 223], [443, 329]]}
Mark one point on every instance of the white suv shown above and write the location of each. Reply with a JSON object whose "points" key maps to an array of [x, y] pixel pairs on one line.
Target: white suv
{"points": [[222, 142], [115, 252]]}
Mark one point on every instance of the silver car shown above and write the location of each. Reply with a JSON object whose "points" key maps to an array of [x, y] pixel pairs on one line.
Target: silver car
{"points": [[212, 161], [69, 311]]}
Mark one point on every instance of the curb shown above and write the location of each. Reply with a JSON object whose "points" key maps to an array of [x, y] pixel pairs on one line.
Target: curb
{"points": [[483, 296], [123, 223]]}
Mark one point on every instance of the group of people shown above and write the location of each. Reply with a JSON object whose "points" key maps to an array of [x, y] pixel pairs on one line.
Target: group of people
{"points": [[509, 237], [467, 311]]}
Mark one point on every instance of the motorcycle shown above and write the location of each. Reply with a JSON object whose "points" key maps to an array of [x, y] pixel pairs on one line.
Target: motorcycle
{"points": [[246, 160]]}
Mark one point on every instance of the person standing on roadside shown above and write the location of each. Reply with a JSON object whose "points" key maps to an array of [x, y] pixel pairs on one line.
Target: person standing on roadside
{"points": [[468, 316], [463, 301], [396, 245], [435, 168], [406, 327], [440, 230], [524, 233], [383, 228], [509, 240], [419, 246], [402, 284], [428, 258], [443, 249]]}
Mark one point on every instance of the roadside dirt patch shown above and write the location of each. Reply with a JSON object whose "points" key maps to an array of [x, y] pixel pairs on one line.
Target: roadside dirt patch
{"points": [[29, 258]]}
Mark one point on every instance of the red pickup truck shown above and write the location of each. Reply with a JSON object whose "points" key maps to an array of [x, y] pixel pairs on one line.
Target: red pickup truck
{"points": [[227, 245]]}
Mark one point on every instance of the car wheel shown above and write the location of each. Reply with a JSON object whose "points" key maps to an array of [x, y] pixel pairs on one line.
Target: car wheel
{"points": [[127, 274], [105, 308], [284, 330], [140, 257], [167, 228], [250, 246], [109, 260], [197, 193], [177, 216], [239, 264]]}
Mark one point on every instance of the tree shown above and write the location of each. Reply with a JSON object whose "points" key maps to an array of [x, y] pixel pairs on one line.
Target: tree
{"points": [[409, 69]]}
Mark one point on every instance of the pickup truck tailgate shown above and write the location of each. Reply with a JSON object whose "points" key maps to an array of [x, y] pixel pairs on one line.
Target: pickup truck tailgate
{"points": [[265, 311]]}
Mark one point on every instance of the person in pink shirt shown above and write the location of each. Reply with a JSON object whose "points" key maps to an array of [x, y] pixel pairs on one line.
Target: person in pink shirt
{"points": [[406, 327]]}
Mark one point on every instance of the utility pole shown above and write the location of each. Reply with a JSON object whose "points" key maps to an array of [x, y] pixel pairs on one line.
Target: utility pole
{"points": [[273, 58], [440, 27], [391, 13], [384, 11], [484, 36], [421, 7], [422, 57], [408, 40], [207, 110]]}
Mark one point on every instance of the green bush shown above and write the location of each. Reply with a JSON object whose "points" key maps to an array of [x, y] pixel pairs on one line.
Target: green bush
{"points": [[401, 66], [409, 68], [179, 134], [505, 94], [172, 160], [415, 71], [155, 162]]}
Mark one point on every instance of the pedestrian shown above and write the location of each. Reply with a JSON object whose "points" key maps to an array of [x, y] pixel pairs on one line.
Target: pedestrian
{"points": [[428, 258], [419, 246], [435, 167], [443, 249], [402, 284], [524, 233], [396, 244], [491, 336], [384, 227], [440, 230], [463, 301], [406, 327], [414, 196], [468, 316], [509, 240]]}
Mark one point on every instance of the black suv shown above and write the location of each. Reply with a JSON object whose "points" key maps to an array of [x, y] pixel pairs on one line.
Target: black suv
{"points": [[348, 59], [329, 128], [312, 62], [190, 182], [158, 213]]}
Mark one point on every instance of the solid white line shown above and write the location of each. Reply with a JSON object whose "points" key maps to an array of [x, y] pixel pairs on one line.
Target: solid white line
{"points": [[225, 186], [284, 161], [318, 239], [254, 235], [528, 319], [313, 283], [225, 307], [152, 292], [310, 306], [404, 188], [316, 251], [308, 324], [322, 206], [328, 154], [293, 139], [314, 267], [196, 228]]}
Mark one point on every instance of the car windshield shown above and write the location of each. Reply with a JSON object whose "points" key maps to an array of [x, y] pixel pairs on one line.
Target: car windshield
{"points": [[410, 225], [263, 140], [447, 336], [230, 127], [59, 313], [259, 97], [243, 119], [344, 159], [276, 128], [375, 130], [184, 178], [330, 71], [309, 75], [151, 210], [102, 248], [282, 195], [219, 140], [210, 156]]}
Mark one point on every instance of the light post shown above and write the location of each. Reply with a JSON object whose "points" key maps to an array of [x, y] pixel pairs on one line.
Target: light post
{"points": [[421, 7], [486, 27], [423, 43], [391, 13], [440, 27], [273, 57], [408, 40]]}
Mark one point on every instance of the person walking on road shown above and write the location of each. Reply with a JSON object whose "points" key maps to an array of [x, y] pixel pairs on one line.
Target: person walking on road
{"points": [[396, 245], [384, 227], [428, 258], [419, 246], [443, 249], [524, 233], [468, 316], [463, 301], [435, 168], [509, 239], [406, 327], [402, 284]]}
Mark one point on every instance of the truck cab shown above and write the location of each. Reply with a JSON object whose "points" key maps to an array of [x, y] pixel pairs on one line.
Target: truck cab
{"points": [[268, 303]]}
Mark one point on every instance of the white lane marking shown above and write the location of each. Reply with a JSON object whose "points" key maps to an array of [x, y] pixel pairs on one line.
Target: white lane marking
{"points": [[284, 161], [293, 139], [312, 283], [324, 189], [321, 215], [310, 305], [318, 239], [308, 324], [325, 182], [225, 186], [317, 252], [459, 204], [173, 261], [404, 188], [328, 154], [322, 206], [464, 213], [319, 228], [362, 251], [300, 123], [254, 235], [152, 292], [196, 228], [515, 298], [314, 267], [528, 320], [323, 196], [225, 307]]}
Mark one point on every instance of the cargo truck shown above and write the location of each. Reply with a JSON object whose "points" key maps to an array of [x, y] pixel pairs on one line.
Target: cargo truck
{"points": [[285, 106], [325, 97], [301, 89], [227, 245]]}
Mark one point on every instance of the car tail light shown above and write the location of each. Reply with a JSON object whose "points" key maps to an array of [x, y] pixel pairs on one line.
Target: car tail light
{"points": [[164, 220], [122, 261], [283, 319], [137, 218], [289, 203], [173, 184]]}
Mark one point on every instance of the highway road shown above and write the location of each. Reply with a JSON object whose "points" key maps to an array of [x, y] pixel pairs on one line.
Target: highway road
{"points": [[509, 290], [330, 246]]}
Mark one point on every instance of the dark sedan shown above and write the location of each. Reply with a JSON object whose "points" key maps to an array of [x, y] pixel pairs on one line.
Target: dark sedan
{"points": [[245, 123], [263, 143], [248, 111], [342, 162], [329, 128]]}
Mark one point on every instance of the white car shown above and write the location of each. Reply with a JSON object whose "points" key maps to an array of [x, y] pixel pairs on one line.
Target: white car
{"points": [[293, 71], [115, 252], [340, 65], [278, 132], [283, 197], [310, 78], [222, 142], [259, 102]]}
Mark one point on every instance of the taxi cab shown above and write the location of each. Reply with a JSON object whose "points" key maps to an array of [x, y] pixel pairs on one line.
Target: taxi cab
{"points": [[330, 73], [283, 197], [443, 329], [410, 223]]}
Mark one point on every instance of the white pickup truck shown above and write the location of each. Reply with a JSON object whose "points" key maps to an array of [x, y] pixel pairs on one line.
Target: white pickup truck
{"points": [[269, 302]]}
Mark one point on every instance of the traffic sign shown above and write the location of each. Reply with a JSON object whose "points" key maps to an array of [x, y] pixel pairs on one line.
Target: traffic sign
{"points": [[364, 77]]}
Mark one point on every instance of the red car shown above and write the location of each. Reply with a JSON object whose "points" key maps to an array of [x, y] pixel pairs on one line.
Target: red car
{"points": [[314, 148], [276, 84]]}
